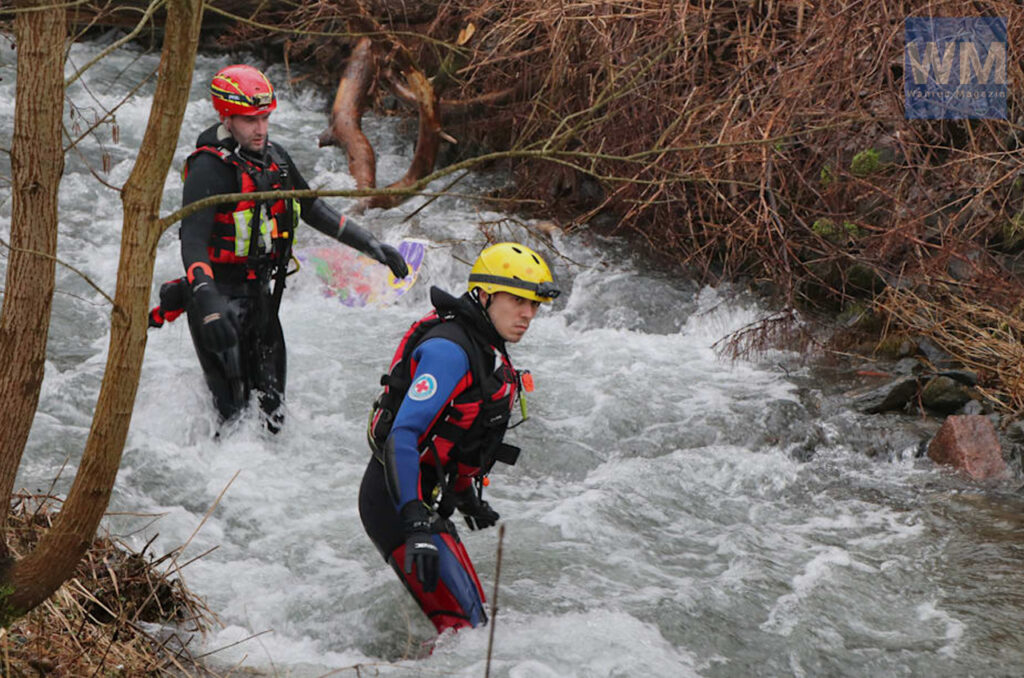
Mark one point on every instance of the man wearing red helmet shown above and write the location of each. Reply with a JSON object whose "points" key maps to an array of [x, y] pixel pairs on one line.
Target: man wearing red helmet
{"points": [[236, 254]]}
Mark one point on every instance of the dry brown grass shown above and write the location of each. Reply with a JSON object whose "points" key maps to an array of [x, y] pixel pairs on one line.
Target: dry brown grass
{"points": [[99, 622], [983, 338]]}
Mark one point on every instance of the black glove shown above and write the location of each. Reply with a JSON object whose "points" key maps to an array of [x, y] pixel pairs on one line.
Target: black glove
{"points": [[419, 545], [354, 235], [386, 254], [216, 319], [172, 295], [478, 512], [172, 302]]}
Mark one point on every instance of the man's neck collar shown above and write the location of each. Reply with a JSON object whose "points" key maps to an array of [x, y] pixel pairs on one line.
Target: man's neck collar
{"points": [[225, 139]]}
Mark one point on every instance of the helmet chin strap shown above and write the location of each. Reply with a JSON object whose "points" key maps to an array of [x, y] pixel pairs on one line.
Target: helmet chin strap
{"points": [[475, 294], [476, 298], [483, 307]]}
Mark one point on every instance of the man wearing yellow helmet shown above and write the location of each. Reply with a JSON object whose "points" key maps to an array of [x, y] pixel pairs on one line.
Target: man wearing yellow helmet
{"points": [[236, 255], [438, 428]]}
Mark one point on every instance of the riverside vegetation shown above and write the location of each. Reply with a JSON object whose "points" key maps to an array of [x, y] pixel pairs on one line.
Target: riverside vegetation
{"points": [[734, 140]]}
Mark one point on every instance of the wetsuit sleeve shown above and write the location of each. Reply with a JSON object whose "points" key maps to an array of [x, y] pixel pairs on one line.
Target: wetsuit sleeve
{"points": [[329, 221], [324, 218], [207, 175], [345, 230], [441, 371]]}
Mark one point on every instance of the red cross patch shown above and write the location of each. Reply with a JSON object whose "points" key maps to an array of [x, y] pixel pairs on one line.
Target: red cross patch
{"points": [[423, 388]]}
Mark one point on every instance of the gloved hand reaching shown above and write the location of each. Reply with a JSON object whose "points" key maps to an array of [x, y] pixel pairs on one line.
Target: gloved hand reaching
{"points": [[217, 324], [478, 512], [386, 254], [420, 549], [354, 235]]}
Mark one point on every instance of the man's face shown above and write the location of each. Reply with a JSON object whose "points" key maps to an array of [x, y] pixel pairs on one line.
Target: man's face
{"points": [[250, 131], [510, 314]]}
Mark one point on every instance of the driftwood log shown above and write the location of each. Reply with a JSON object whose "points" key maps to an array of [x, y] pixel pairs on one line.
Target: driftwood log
{"points": [[347, 113], [454, 110], [345, 128]]}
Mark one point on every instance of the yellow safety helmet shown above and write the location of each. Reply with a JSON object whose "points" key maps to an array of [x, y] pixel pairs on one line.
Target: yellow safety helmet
{"points": [[513, 268]]}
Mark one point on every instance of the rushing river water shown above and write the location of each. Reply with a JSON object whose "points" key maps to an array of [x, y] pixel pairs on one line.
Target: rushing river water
{"points": [[672, 514]]}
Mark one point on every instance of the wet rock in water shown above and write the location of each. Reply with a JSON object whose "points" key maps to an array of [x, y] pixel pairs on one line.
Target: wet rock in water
{"points": [[969, 443], [892, 396], [944, 395], [906, 366], [972, 407]]}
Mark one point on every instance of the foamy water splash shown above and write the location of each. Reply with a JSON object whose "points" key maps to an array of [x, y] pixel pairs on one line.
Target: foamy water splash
{"points": [[657, 522]]}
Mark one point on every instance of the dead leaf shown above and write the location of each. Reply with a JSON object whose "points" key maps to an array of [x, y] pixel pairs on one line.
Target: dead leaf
{"points": [[466, 33]]}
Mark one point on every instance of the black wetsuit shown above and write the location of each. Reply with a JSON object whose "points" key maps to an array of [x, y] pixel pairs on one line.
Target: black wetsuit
{"points": [[260, 357]]}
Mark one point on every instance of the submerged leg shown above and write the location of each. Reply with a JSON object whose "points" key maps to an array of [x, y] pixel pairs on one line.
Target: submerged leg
{"points": [[270, 369], [222, 372], [458, 600]]}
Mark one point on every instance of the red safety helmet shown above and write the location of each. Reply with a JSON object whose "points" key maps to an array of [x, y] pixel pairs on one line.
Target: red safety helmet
{"points": [[242, 90]]}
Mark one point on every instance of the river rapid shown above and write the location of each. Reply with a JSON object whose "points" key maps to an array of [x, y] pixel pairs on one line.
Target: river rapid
{"points": [[672, 514]]}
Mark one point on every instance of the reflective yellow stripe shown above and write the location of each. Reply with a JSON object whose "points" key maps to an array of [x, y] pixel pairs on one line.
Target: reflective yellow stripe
{"points": [[242, 219], [268, 228]]}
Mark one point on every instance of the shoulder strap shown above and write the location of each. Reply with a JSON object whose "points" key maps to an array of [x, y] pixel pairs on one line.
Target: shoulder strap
{"points": [[398, 380], [219, 151], [278, 158], [453, 331]]}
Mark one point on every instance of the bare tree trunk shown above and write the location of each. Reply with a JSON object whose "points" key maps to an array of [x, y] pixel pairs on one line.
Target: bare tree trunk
{"points": [[37, 161], [35, 577], [346, 128]]}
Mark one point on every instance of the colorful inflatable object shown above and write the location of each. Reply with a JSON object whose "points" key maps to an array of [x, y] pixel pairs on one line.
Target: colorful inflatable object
{"points": [[356, 279]]}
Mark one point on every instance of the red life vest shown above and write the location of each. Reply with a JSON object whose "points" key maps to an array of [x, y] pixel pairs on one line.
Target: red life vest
{"points": [[234, 225], [466, 437]]}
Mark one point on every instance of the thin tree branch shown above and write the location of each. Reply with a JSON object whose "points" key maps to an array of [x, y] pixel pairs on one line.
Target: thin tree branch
{"points": [[146, 17], [62, 263]]}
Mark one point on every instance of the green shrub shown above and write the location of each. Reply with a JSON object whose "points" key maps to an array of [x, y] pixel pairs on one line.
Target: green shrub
{"points": [[866, 162], [824, 227], [827, 177]]}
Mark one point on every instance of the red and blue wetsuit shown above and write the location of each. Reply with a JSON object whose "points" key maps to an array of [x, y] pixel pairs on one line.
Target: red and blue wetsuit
{"points": [[445, 435]]}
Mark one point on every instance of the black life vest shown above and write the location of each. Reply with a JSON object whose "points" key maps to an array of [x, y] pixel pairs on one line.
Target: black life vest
{"points": [[250, 233], [466, 438]]}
